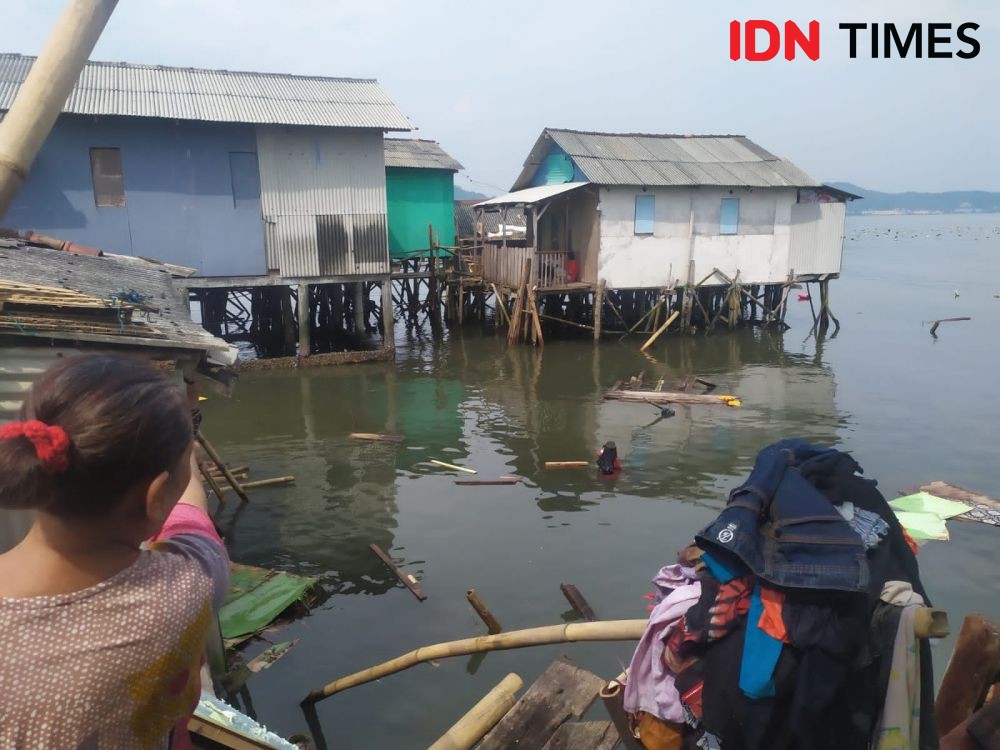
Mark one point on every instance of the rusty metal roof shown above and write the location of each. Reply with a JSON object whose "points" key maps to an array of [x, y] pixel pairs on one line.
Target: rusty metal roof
{"points": [[418, 154], [129, 90], [666, 159]]}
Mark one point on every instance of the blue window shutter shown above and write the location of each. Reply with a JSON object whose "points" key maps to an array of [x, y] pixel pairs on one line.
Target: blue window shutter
{"points": [[729, 216], [246, 180], [645, 210]]}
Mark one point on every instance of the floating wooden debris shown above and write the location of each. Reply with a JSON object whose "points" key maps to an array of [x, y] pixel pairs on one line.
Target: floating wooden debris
{"points": [[492, 624], [376, 436], [944, 320], [567, 464], [673, 397], [452, 466], [576, 600], [486, 482], [481, 718], [221, 466], [405, 578], [982, 508], [264, 483]]}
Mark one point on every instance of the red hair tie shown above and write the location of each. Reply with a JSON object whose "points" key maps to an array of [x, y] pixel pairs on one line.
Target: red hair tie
{"points": [[51, 442]]}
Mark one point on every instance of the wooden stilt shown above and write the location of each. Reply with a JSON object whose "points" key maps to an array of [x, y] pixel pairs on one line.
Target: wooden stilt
{"points": [[598, 309], [492, 624]]}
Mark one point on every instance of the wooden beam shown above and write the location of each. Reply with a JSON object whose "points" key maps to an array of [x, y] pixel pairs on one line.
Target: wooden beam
{"points": [[486, 615], [576, 600], [598, 308]]}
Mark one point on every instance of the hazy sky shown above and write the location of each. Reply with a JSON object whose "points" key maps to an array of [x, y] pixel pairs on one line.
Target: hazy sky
{"points": [[484, 78]]}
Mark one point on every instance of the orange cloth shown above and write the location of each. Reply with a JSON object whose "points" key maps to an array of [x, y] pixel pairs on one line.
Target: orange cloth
{"points": [[771, 621], [910, 541], [656, 734]]}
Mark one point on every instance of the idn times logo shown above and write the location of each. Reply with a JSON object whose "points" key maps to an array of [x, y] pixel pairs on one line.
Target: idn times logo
{"points": [[760, 41]]}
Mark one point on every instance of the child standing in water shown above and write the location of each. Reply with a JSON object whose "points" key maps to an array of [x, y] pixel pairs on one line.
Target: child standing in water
{"points": [[102, 640]]}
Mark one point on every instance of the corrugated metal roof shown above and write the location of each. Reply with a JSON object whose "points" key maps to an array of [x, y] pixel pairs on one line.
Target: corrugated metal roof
{"points": [[418, 154], [531, 195], [216, 95], [651, 159]]}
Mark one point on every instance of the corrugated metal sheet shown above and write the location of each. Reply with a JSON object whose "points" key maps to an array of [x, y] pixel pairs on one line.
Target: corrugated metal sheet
{"points": [[531, 195], [323, 200], [816, 241], [465, 218], [19, 368], [651, 160], [216, 95], [418, 154]]}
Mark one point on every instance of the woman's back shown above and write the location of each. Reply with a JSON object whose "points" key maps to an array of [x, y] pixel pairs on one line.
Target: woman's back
{"points": [[87, 669], [102, 633]]}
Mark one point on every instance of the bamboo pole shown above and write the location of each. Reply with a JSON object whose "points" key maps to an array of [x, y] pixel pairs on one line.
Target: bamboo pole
{"points": [[566, 322], [264, 483], [465, 733], [567, 464], [611, 630], [660, 330], [217, 460], [669, 397], [44, 92], [210, 481], [492, 624], [452, 466], [501, 305], [613, 696]]}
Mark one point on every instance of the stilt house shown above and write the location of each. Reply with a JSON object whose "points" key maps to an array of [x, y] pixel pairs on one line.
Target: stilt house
{"points": [[660, 211], [420, 190]]}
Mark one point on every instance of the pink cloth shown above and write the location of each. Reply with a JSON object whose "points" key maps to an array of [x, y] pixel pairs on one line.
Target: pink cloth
{"points": [[650, 684], [188, 519]]}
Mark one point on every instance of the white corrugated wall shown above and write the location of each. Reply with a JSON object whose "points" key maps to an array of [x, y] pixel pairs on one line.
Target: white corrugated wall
{"points": [[817, 238], [323, 200]]}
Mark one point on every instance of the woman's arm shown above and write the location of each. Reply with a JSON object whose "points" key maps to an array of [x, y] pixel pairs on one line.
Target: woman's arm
{"points": [[194, 493]]}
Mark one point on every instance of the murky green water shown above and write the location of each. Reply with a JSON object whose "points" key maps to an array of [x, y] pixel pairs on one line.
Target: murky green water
{"points": [[912, 409]]}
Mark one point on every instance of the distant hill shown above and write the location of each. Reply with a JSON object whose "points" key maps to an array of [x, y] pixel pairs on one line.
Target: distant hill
{"points": [[461, 194], [955, 201]]}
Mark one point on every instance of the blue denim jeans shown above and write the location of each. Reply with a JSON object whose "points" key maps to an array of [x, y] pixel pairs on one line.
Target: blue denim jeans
{"points": [[781, 527]]}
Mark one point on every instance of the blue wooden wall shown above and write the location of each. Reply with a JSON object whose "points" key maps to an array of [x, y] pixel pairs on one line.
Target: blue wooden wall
{"points": [[179, 192]]}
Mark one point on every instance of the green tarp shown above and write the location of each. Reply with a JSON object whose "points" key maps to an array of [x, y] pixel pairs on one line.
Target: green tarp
{"points": [[256, 597]]}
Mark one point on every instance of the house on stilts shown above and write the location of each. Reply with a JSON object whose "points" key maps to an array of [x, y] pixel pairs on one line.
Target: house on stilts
{"points": [[271, 187], [631, 226]]}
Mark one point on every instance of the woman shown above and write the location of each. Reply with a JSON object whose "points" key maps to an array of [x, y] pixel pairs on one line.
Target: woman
{"points": [[102, 636]]}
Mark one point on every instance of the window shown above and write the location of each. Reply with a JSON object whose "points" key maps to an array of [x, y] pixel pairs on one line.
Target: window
{"points": [[245, 179], [645, 208], [106, 173], [729, 216]]}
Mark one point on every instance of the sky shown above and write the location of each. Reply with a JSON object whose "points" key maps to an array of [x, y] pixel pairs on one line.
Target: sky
{"points": [[484, 79]]}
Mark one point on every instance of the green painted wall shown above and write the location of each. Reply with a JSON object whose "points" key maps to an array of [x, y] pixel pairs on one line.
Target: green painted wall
{"points": [[416, 198]]}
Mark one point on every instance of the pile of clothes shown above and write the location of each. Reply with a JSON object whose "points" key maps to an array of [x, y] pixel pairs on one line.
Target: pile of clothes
{"points": [[789, 622]]}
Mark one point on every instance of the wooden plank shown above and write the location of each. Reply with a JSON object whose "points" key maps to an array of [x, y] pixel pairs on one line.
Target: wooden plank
{"points": [[225, 736], [405, 578], [584, 735], [959, 494], [567, 464], [376, 436], [562, 692]]}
